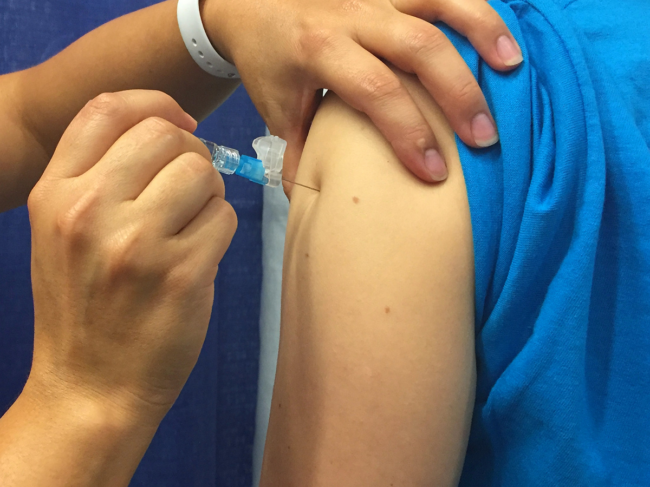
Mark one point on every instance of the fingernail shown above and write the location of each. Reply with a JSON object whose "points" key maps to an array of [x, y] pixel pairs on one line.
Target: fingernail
{"points": [[509, 51], [435, 165], [483, 130]]}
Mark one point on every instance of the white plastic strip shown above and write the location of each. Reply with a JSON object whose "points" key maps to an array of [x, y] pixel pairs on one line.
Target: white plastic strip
{"points": [[197, 42]]}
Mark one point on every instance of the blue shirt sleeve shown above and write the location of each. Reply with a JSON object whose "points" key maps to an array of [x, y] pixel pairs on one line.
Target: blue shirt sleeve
{"points": [[553, 208]]}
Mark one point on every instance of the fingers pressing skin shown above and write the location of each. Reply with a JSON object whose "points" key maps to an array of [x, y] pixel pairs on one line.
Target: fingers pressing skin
{"points": [[419, 47], [139, 154], [477, 21], [101, 123], [336, 44], [368, 85]]}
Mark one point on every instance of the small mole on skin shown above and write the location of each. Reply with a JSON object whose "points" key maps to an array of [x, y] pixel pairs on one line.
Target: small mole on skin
{"points": [[307, 255], [387, 309], [279, 405], [355, 199]]}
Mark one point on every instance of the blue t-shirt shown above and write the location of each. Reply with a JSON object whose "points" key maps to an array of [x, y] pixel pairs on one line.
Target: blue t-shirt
{"points": [[561, 221]]}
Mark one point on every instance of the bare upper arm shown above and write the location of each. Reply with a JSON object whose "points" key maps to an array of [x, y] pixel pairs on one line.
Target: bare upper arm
{"points": [[375, 378]]}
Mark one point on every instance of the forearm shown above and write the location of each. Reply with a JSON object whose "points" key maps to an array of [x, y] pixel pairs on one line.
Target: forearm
{"points": [[141, 50], [75, 440]]}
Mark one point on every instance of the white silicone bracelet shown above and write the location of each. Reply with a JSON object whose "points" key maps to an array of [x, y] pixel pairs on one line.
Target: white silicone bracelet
{"points": [[197, 42]]}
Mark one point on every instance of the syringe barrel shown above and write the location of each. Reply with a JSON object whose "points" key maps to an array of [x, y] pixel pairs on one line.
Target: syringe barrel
{"points": [[266, 169], [224, 159]]}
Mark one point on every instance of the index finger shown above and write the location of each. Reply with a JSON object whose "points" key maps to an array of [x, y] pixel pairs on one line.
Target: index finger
{"points": [[418, 47], [104, 120], [368, 85], [476, 20]]}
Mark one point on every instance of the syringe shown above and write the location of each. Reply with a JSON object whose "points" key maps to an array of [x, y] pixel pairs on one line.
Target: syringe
{"points": [[265, 170]]}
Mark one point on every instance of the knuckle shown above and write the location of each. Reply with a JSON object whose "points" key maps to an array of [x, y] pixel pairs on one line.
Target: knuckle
{"points": [[415, 132], [465, 92], [485, 19], [159, 128], [198, 166], [313, 39], [353, 5], [424, 40], [122, 254], [492, 22], [356, 12], [226, 222], [164, 97], [74, 223], [223, 217], [107, 105], [72, 226], [219, 185], [35, 199], [381, 87], [228, 217]]}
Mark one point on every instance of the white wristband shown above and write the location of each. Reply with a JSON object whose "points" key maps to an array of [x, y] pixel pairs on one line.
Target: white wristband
{"points": [[197, 42]]}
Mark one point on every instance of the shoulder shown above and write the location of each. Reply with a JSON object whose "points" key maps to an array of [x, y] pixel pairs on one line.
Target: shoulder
{"points": [[369, 203]]}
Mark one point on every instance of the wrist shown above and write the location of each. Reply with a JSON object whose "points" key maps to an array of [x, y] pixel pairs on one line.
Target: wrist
{"points": [[89, 408], [61, 438], [216, 26]]}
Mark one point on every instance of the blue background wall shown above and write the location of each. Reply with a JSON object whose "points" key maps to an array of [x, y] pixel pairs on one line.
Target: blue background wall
{"points": [[206, 440]]}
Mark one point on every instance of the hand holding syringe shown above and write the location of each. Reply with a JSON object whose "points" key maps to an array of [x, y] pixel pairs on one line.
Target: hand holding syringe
{"points": [[265, 170]]}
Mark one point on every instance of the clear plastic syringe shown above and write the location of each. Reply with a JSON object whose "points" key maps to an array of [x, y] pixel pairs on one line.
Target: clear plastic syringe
{"points": [[265, 170]]}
